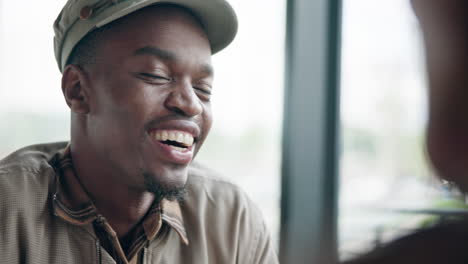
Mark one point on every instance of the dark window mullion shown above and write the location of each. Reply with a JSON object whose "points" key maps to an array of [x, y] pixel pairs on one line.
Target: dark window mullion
{"points": [[310, 133]]}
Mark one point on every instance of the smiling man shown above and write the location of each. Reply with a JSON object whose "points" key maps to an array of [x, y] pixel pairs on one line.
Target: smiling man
{"points": [[137, 76]]}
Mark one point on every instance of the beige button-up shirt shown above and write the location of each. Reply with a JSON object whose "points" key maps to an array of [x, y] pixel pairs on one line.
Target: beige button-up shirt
{"points": [[72, 203], [46, 217]]}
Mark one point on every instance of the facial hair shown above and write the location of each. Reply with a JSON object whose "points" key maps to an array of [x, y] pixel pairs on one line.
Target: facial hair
{"points": [[171, 193]]}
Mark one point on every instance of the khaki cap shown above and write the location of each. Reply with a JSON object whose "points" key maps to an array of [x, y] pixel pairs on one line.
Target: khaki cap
{"points": [[79, 17]]}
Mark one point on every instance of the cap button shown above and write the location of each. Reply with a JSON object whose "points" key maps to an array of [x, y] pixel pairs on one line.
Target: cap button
{"points": [[86, 12]]}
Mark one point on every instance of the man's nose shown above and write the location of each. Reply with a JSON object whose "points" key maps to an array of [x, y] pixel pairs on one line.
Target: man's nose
{"points": [[183, 100]]}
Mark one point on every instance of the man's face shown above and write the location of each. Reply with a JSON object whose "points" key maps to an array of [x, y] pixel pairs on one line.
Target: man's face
{"points": [[445, 28], [150, 97]]}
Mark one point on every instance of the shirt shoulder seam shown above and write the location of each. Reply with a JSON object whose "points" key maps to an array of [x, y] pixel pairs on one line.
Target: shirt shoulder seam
{"points": [[255, 246]]}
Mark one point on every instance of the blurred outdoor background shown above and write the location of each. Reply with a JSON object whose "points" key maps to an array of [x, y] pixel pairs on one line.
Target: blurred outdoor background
{"points": [[384, 169], [383, 164]]}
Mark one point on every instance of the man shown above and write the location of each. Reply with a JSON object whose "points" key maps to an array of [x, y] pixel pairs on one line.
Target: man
{"points": [[445, 30], [137, 77]]}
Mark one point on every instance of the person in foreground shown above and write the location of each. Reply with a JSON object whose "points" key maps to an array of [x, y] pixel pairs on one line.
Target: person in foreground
{"points": [[445, 29], [137, 77]]}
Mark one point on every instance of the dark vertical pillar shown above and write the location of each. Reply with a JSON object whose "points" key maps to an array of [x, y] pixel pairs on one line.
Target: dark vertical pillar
{"points": [[310, 135]]}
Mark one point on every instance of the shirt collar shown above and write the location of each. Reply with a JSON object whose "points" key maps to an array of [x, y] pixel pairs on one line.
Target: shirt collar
{"points": [[72, 203]]}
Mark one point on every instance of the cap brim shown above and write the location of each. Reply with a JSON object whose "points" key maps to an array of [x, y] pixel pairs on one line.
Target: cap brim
{"points": [[217, 17]]}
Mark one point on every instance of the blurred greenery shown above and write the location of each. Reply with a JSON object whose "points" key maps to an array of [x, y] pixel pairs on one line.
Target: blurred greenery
{"points": [[450, 203], [359, 141]]}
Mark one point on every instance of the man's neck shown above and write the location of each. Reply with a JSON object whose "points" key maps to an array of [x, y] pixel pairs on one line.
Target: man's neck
{"points": [[122, 206]]}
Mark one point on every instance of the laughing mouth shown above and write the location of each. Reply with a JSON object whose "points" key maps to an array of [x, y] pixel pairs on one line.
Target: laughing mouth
{"points": [[178, 140]]}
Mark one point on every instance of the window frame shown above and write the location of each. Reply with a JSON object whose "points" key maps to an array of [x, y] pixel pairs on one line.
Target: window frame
{"points": [[309, 202]]}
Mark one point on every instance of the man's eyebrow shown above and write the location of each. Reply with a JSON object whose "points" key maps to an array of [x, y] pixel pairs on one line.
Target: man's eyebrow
{"points": [[155, 51]]}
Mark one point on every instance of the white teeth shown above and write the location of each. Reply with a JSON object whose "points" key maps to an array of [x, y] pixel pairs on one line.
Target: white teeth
{"points": [[178, 136], [188, 140], [172, 136], [178, 149], [164, 135]]}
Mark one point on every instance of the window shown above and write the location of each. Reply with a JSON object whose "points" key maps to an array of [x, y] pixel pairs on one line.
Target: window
{"points": [[384, 173], [245, 142]]}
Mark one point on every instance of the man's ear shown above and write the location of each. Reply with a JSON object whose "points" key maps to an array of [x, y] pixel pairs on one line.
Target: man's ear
{"points": [[75, 89]]}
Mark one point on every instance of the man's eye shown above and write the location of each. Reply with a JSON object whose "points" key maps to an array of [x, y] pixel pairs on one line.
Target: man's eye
{"points": [[203, 90], [154, 78], [203, 93]]}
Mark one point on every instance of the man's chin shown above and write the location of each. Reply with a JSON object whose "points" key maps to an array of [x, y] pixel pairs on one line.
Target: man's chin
{"points": [[171, 191]]}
